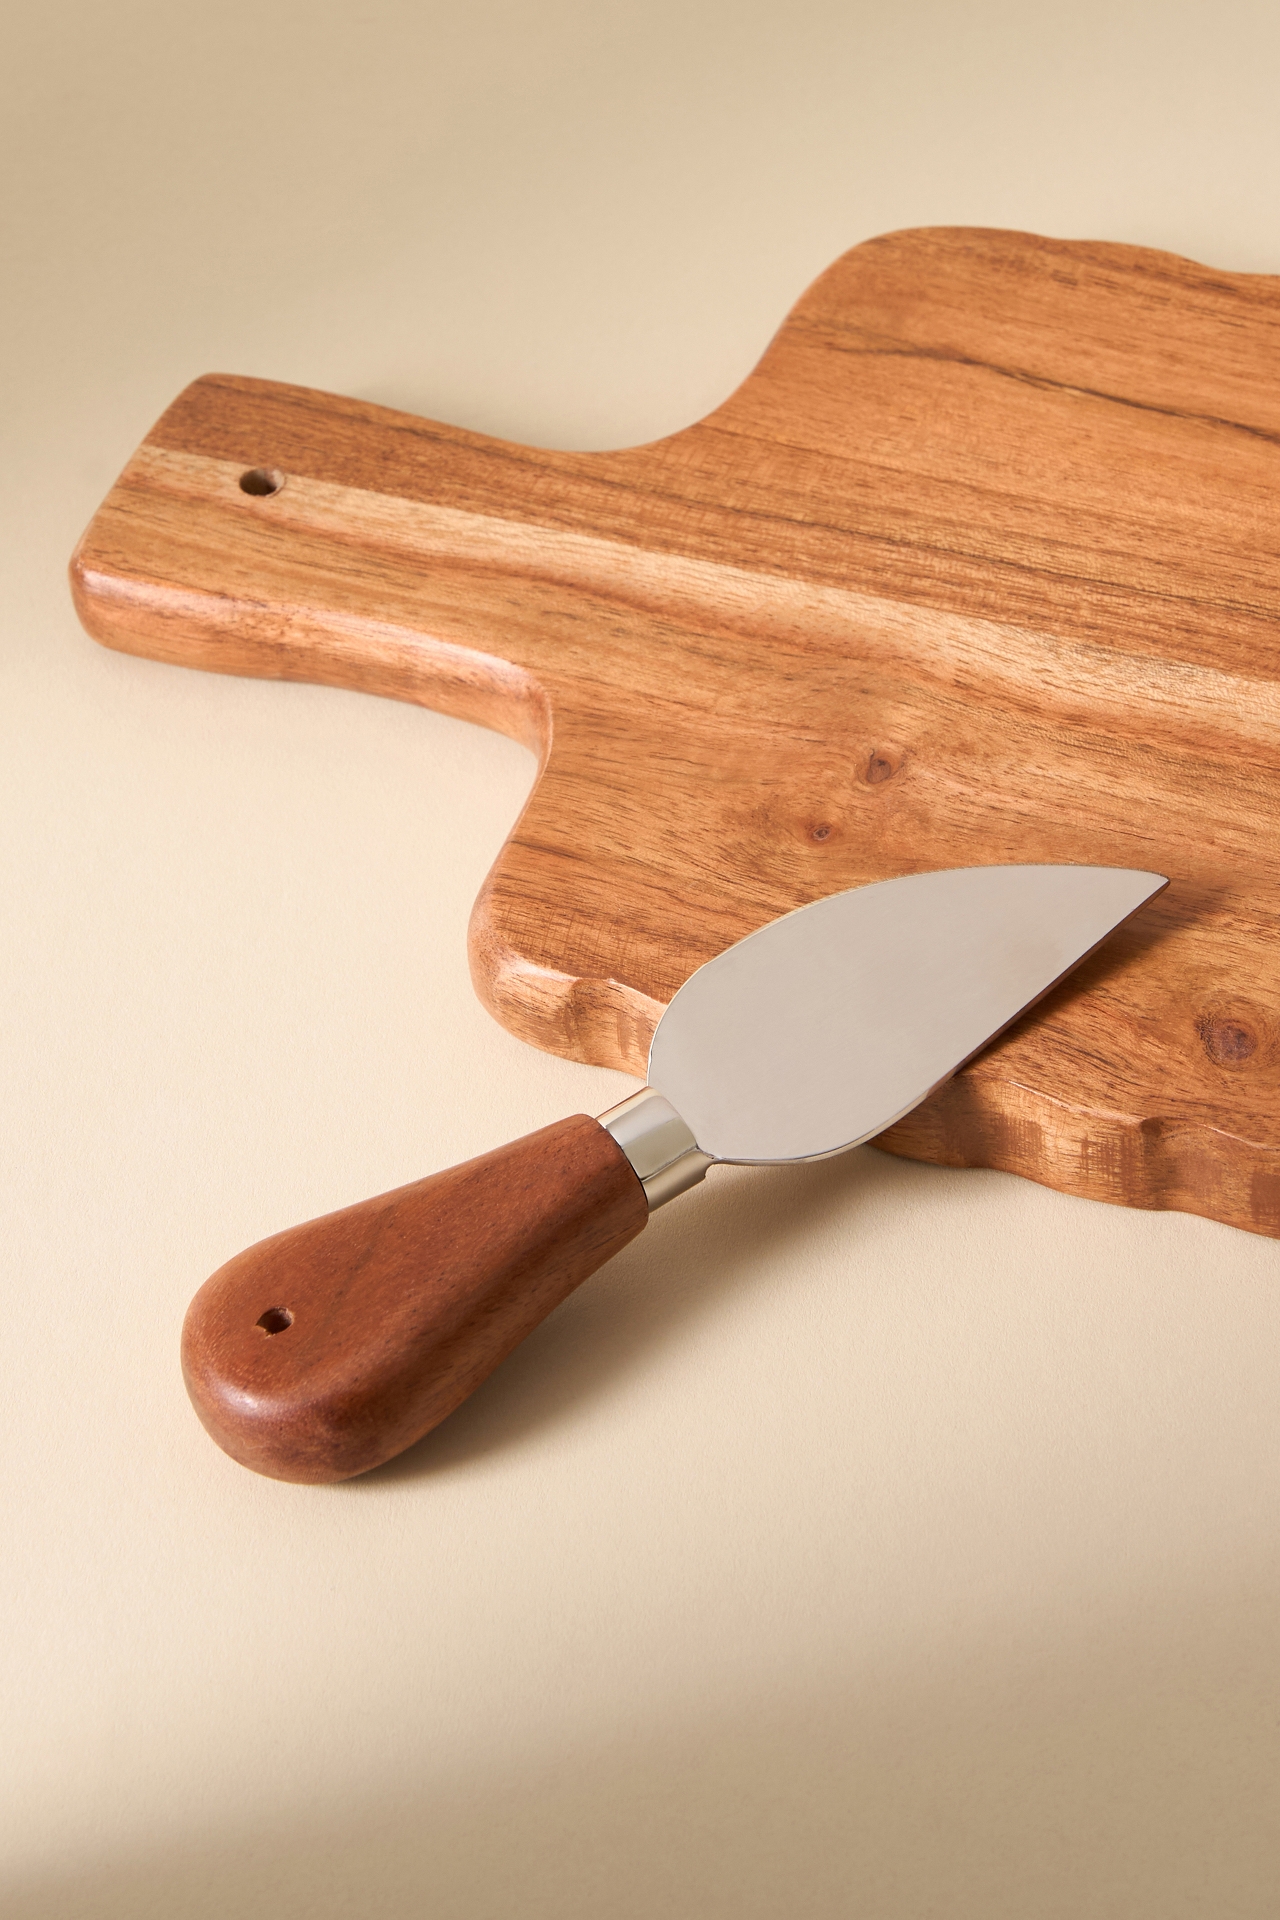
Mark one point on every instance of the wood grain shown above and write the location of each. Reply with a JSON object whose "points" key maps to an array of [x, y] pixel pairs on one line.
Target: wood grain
{"points": [[980, 564], [329, 1348]]}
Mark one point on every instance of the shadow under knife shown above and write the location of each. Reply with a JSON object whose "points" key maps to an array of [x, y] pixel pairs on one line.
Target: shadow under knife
{"points": [[722, 1237]]}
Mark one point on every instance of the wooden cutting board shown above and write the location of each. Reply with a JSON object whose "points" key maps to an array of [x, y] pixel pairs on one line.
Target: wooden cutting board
{"points": [[982, 563]]}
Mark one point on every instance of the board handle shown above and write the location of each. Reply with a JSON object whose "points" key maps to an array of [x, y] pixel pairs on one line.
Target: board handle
{"points": [[329, 1348]]}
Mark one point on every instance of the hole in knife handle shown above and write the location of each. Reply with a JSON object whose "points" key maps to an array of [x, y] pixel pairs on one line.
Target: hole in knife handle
{"points": [[261, 481], [276, 1320]]}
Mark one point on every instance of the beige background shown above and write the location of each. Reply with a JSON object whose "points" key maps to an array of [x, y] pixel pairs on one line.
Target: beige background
{"points": [[869, 1540]]}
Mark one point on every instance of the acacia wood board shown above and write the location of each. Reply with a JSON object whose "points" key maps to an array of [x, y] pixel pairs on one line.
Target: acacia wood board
{"points": [[980, 564]]}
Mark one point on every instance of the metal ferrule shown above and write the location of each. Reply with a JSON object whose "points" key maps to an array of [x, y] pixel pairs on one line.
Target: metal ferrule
{"points": [[666, 1157]]}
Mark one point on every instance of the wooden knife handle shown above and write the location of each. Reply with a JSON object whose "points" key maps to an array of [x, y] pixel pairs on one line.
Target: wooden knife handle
{"points": [[329, 1348]]}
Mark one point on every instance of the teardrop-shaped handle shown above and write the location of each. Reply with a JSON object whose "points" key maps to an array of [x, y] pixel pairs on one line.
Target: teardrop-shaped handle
{"points": [[329, 1348]]}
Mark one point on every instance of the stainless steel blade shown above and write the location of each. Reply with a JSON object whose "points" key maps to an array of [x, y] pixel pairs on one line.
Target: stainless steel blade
{"points": [[823, 1028]]}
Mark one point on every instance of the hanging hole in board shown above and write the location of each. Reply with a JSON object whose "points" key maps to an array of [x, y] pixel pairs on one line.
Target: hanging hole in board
{"points": [[261, 481]]}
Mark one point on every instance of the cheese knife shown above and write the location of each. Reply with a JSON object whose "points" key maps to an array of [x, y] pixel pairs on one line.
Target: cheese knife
{"points": [[327, 1349]]}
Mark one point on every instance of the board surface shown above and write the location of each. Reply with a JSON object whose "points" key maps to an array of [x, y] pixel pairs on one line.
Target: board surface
{"points": [[981, 564]]}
